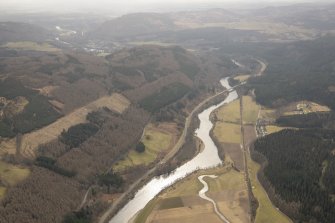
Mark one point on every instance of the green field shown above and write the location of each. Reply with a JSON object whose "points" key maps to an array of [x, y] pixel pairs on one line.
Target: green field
{"points": [[172, 202], [230, 113], [12, 174], [231, 180], [146, 211], [2, 191], [188, 188], [266, 212], [227, 132], [231, 133], [267, 113], [250, 110], [155, 142], [242, 78], [273, 129]]}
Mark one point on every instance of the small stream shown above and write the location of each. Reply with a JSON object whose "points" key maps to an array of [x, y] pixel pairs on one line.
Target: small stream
{"points": [[205, 159], [202, 194]]}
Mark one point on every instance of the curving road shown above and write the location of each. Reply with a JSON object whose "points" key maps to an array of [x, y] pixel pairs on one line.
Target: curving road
{"points": [[202, 194], [262, 69]]}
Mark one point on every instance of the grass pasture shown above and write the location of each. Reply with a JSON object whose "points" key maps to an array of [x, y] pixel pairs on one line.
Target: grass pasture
{"points": [[231, 180], [230, 192], [242, 77], [156, 140], [267, 113], [181, 202], [250, 110], [227, 132], [273, 129], [145, 212], [2, 191], [229, 113], [171, 202], [27, 45], [11, 175]]}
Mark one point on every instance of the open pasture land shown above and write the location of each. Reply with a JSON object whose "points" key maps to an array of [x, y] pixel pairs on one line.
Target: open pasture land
{"points": [[250, 110], [227, 132], [229, 113], [11, 175], [2, 191], [31, 141], [158, 139], [242, 77], [233, 154], [181, 202], [231, 194], [273, 129], [266, 211], [26, 45], [267, 113]]}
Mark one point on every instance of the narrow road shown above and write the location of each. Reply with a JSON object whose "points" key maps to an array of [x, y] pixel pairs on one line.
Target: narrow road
{"points": [[263, 67], [245, 158], [245, 148], [85, 198], [202, 194], [172, 153]]}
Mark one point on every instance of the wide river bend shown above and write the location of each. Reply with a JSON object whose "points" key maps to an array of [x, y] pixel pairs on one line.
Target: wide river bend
{"points": [[205, 159]]}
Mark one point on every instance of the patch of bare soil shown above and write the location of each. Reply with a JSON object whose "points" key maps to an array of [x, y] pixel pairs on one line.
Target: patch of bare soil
{"points": [[234, 151]]}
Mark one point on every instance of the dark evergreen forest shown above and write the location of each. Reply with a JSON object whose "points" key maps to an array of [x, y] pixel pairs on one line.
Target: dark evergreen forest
{"points": [[301, 168]]}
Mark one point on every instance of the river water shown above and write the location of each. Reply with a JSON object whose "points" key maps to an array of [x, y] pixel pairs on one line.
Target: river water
{"points": [[205, 159]]}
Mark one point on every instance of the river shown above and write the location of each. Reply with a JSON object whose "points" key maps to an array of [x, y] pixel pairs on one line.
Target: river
{"points": [[205, 159]]}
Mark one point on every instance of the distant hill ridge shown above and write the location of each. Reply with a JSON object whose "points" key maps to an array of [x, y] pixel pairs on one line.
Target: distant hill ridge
{"points": [[15, 31], [149, 23]]}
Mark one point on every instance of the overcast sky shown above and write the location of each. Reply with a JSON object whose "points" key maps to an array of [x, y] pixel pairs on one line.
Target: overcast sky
{"points": [[125, 6]]}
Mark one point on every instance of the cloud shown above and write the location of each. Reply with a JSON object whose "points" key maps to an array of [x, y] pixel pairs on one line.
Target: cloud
{"points": [[119, 5]]}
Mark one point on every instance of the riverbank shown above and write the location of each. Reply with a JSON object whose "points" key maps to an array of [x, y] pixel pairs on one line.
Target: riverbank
{"points": [[128, 194]]}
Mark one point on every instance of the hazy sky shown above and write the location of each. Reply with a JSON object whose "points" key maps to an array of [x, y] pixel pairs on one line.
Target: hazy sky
{"points": [[124, 6]]}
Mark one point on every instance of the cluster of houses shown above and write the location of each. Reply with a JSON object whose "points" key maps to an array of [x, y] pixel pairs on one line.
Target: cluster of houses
{"points": [[261, 128]]}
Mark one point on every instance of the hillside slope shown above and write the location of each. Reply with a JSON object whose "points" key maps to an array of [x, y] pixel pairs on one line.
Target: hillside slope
{"points": [[14, 31]]}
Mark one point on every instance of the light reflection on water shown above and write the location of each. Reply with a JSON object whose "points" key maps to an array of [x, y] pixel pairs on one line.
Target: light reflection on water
{"points": [[206, 159]]}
